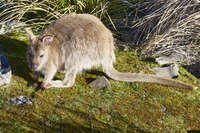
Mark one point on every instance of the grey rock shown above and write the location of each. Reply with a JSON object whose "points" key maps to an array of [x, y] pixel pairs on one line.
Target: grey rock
{"points": [[167, 72], [163, 109], [20, 100], [180, 42], [15, 24], [11, 26], [5, 71], [3, 29], [100, 83], [163, 60], [123, 48]]}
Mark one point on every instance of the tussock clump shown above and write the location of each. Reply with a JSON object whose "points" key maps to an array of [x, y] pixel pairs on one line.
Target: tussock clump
{"points": [[179, 26], [38, 13], [180, 41], [136, 20], [172, 27]]}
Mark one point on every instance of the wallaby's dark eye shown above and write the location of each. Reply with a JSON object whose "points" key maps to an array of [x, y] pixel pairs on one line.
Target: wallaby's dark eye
{"points": [[41, 56]]}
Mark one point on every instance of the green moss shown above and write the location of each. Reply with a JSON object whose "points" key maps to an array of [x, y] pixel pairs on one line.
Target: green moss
{"points": [[121, 107]]}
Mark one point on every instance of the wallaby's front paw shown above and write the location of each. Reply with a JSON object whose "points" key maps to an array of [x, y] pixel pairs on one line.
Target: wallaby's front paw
{"points": [[43, 86], [46, 85], [40, 87], [60, 84], [68, 84]]}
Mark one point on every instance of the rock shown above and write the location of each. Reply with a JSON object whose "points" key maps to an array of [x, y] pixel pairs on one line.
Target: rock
{"points": [[163, 109], [15, 24], [5, 71], [165, 60], [9, 27], [20, 100], [100, 83], [167, 72], [3, 29], [123, 48]]}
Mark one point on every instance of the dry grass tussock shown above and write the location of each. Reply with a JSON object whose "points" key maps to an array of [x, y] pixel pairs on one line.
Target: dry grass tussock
{"points": [[38, 13], [179, 25], [172, 27]]}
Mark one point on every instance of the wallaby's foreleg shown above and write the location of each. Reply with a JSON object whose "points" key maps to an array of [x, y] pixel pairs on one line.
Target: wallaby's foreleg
{"points": [[48, 76], [68, 80]]}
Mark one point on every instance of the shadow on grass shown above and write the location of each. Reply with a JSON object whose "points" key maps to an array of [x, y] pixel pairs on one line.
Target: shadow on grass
{"points": [[16, 122], [44, 125], [193, 131], [194, 69], [96, 73], [149, 59], [107, 127], [15, 51]]}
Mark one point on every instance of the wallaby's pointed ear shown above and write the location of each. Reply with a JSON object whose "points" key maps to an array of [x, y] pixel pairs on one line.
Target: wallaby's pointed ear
{"points": [[47, 40], [30, 34]]}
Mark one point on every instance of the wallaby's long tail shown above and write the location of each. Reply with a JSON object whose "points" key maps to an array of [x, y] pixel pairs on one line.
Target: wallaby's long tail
{"points": [[133, 77]]}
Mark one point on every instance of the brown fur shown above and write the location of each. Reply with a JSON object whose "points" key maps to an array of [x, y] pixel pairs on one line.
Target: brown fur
{"points": [[76, 42]]}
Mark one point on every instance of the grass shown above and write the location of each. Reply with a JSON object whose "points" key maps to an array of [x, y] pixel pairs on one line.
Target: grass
{"points": [[122, 107]]}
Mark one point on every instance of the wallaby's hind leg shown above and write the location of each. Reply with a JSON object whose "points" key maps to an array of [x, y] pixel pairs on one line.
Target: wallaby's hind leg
{"points": [[69, 78], [107, 63]]}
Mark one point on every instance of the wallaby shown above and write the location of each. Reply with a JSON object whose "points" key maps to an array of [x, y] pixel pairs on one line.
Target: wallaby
{"points": [[76, 42]]}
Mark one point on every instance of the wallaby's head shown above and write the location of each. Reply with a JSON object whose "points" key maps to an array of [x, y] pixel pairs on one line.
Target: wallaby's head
{"points": [[37, 53]]}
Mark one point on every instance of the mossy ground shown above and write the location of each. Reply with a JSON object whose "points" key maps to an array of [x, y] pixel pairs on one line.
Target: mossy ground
{"points": [[121, 107]]}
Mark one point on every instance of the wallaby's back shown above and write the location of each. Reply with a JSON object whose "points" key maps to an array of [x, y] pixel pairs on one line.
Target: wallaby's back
{"points": [[85, 41]]}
